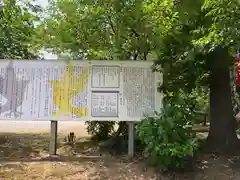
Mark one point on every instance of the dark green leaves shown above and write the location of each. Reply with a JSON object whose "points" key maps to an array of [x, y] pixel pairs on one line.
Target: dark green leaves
{"points": [[168, 137]]}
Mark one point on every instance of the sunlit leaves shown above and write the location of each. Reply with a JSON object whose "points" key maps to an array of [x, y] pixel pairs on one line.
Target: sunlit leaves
{"points": [[107, 29], [16, 31], [225, 27], [199, 27]]}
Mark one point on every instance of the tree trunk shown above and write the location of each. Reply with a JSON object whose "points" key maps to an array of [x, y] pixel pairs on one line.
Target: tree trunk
{"points": [[222, 135]]}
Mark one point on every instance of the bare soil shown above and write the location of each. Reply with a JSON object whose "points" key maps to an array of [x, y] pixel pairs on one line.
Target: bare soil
{"points": [[23, 156]]}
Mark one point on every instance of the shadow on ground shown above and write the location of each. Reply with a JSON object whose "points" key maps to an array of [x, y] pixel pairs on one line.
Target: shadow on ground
{"points": [[27, 147], [15, 147], [24, 157]]}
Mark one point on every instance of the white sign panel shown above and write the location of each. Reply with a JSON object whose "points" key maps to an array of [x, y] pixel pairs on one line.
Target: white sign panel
{"points": [[78, 90]]}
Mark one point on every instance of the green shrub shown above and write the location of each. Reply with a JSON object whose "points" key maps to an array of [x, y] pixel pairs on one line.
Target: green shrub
{"points": [[168, 137], [100, 130]]}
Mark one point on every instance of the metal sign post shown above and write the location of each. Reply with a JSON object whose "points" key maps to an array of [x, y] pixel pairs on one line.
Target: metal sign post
{"points": [[53, 138], [131, 138]]}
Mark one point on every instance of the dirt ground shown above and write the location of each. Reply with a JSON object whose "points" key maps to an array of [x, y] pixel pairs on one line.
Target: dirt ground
{"points": [[42, 127], [23, 156]]}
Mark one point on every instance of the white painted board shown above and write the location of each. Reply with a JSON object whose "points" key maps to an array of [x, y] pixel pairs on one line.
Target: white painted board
{"points": [[78, 90]]}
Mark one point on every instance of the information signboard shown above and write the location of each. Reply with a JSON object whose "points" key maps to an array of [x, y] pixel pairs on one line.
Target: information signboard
{"points": [[78, 90]]}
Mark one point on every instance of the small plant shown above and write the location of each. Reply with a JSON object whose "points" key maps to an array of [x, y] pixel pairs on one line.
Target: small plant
{"points": [[168, 137]]}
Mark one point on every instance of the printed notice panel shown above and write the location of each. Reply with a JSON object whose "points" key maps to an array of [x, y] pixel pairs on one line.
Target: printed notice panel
{"points": [[78, 90], [138, 91], [105, 76], [104, 104]]}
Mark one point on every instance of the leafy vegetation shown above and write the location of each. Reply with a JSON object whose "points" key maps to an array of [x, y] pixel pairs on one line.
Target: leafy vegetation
{"points": [[17, 30], [198, 53], [188, 39], [168, 138], [100, 130], [193, 41]]}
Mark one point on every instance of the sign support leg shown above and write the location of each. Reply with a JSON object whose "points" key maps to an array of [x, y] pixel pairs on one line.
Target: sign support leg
{"points": [[53, 138], [131, 139]]}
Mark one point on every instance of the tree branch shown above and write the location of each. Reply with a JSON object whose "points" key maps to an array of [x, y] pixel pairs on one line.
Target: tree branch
{"points": [[111, 24], [145, 55], [135, 55]]}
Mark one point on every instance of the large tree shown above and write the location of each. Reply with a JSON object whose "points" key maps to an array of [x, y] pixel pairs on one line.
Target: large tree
{"points": [[199, 51], [194, 42], [105, 29], [17, 29]]}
